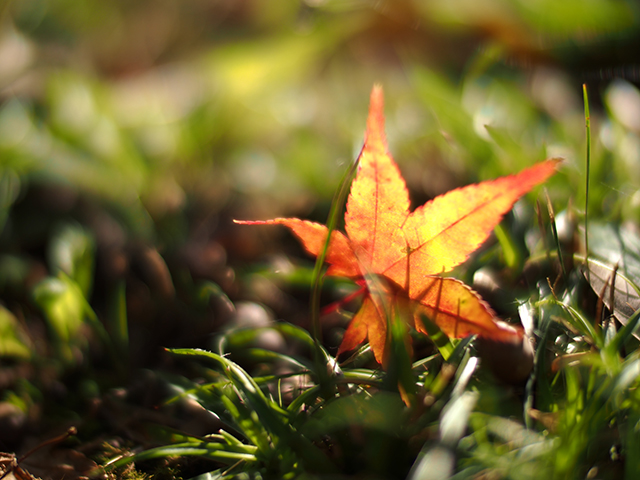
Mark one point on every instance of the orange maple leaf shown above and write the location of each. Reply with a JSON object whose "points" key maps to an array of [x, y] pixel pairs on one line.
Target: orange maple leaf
{"points": [[398, 256]]}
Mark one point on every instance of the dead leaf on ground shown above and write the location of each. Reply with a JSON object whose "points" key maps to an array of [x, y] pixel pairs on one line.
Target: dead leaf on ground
{"points": [[626, 298]]}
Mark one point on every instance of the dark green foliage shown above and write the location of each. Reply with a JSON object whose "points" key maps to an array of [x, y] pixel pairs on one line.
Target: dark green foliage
{"points": [[180, 346]]}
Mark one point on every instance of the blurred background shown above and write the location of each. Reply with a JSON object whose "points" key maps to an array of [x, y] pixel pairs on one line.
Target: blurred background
{"points": [[133, 132]]}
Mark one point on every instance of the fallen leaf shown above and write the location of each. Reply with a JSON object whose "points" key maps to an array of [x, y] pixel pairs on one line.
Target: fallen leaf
{"points": [[399, 256], [624, 301]]}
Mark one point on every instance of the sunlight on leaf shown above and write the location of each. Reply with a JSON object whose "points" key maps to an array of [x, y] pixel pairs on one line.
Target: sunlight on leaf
{"points": [[408, 250]]}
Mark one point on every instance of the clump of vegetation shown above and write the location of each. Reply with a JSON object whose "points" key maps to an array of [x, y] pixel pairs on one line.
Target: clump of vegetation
{"points": [[143, 334]]}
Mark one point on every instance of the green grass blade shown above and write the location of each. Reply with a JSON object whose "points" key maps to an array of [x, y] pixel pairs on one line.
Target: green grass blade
{"points": [[327, 361], [623, 334], [509, 249], [224, 453], [264, 355], [308, 397], [554, 231], [438, 337], [632, 444], [270, 415], [399, 368], [587, 121], [332, 222]]}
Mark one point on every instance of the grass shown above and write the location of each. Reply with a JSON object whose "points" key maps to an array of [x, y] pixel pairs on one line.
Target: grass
{"points": [[182, 347]]}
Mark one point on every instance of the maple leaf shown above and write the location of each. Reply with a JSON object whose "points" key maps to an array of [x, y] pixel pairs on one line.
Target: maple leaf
{"points": [[398, 256]]}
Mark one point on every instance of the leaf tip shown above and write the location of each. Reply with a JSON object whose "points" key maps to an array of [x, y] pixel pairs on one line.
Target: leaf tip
{"points": [[556, 161], [375, 122], [251, 222], [536, 174], [551, 165], [507, 332]]}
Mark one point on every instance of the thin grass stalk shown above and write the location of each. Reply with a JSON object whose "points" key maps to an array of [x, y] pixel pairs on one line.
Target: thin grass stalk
{"points": [[587, 121], [554, 231], [318, 277]]}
